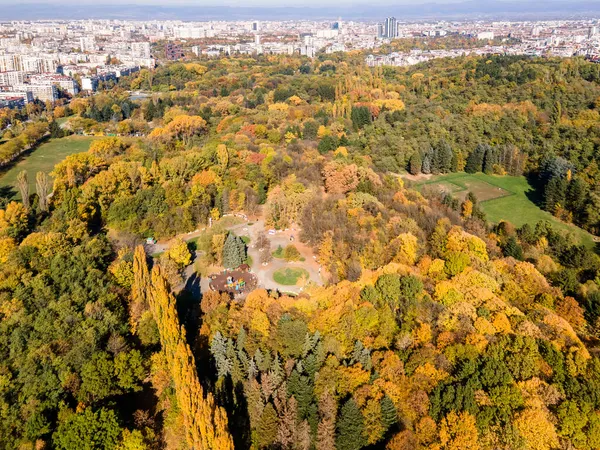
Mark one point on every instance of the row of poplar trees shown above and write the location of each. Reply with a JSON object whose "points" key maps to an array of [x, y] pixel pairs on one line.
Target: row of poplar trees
{"points": [[206, 423]]}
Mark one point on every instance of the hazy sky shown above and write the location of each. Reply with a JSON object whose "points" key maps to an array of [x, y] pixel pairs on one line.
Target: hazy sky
{"points": [[274, 3], [244, 3]]}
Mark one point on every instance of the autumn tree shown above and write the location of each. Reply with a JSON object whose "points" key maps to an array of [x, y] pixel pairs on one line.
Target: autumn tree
{"points": [[23, 187], [42, 186], [205, 422]]}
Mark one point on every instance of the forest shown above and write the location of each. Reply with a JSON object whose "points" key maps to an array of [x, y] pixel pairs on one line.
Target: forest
{"points": [[435, 329]]}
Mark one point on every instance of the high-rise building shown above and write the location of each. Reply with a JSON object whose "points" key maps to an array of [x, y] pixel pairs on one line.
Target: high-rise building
{"points": [[390, 28], [256, 26]]}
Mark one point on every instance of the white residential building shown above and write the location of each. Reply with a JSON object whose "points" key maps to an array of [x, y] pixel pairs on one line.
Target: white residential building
{"points": [[11, 78], [44, 93], [65, 83], [140, 50]]}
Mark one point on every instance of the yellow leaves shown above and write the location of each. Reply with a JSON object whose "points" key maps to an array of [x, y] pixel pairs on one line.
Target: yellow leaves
{"points": [[467, 209], [295, 100], [484, 327], [390, 104], [48, 244], [323, 131], [206, 178], [535, 426], [289, 137], [422, 334], [407, 249], [197, 68], [427, 377], [501, 323], [341, 151], [179, 253], [446, 294], [350, 378], [205, 422], [461, 241], [260, 323], [458, 432], [15, 215], [223, 156], [7, 245], [279, 107], [184, 126], [478, 341], [107, 147]]}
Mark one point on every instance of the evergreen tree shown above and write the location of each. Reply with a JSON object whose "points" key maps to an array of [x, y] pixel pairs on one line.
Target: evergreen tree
{"points": [[150, 112], [443, 157], [490, 159], [576, 198], [427, 163], [361, 116], [327, 144], [555, 193], [350, 428], [389, 415], [512, 248], [475, 159], [234, 251]]}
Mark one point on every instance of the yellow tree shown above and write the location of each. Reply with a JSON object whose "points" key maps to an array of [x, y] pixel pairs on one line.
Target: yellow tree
{"points": [[205, 423], [180, 253], [140, 287], [459, 432]]}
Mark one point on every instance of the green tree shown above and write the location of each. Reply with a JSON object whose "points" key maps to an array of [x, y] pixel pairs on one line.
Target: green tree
{"points": [[234, 251], [350, 428], [88, 430]]}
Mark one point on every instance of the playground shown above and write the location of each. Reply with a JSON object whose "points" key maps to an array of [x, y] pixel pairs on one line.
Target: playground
{"points": [[235, 281]]}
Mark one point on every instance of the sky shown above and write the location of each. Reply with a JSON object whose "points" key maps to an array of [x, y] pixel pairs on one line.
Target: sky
{"points": [[244, 3]]}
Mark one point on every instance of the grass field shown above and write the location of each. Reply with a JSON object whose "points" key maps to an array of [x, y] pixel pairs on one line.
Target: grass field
{"points": [[502, 198], [44, 158], [289, 276]]}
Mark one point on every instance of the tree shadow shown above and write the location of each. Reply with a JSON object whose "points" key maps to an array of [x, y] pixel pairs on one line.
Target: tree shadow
{"points": [[536, 193], [7, 194], [188, 307]]}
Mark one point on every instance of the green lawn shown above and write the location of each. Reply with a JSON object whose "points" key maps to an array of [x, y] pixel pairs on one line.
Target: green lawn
{"points": [[289, 276], [514, 201], [44, 158]]}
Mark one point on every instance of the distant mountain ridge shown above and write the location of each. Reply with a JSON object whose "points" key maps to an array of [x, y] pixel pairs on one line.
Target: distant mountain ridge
{"points": [[513, 10]]}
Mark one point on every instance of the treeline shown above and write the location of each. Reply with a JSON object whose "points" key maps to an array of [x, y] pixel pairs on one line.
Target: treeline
{"points": [[27, 137]]}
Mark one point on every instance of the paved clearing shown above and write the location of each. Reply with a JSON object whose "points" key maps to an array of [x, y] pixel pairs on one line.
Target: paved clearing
{"points": [[264, 273]]}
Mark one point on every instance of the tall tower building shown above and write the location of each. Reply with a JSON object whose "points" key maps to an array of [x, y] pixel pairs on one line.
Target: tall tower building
{"points": [[390, 28]]}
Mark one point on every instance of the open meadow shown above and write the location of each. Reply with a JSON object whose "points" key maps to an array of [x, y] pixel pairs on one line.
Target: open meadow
{"points": [[502, 198], [44, 158]]}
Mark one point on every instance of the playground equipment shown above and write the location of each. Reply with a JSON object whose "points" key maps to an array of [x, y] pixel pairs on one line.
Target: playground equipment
{"points": [[237, 285]]}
